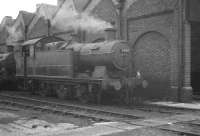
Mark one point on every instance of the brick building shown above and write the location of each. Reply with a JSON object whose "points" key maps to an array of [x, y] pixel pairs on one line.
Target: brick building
{"points": [[152, 29], [164, 36]]}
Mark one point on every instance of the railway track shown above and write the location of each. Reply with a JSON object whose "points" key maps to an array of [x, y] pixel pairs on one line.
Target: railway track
{"points": [[188, 128], [94, 114]]}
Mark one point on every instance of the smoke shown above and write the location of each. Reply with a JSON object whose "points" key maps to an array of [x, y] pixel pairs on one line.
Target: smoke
{"points": [[10, 28], [68, 18], [6, 21], [81, 22], [14, 34]]}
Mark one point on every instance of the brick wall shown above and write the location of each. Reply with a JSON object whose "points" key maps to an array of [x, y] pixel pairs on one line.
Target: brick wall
{"points": [[151, 29]]}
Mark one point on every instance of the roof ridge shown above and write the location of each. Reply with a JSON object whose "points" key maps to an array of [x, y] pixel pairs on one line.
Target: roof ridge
{"points": [[46, 4], [24, 11]]}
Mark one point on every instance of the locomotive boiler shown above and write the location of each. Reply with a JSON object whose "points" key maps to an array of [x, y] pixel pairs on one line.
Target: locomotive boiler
{"points": [[83, 71]]}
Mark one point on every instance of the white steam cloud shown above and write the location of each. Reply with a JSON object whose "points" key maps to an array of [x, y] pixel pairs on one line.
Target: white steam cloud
{"points": [[7, 21], [14, 34], [12, 29], [67, 18]]}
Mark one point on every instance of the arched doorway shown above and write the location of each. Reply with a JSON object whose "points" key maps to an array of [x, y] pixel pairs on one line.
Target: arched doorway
{"points": [[195, 57], [151, 56]]}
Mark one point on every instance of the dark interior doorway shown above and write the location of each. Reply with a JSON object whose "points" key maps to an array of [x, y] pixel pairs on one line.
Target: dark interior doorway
{"points": [[195, 57]]}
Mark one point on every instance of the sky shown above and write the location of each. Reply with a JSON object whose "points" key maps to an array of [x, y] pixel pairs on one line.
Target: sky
{"points": [[12, 7]]}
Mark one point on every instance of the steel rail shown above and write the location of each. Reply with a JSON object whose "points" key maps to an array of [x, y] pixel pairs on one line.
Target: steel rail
{"points": [[77, 110]]}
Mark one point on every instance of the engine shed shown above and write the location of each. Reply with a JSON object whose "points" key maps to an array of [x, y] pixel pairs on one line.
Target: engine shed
{"points": [[164, 36]]}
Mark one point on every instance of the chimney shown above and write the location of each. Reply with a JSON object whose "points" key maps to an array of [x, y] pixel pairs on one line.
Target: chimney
{"points": [[110, 34]]}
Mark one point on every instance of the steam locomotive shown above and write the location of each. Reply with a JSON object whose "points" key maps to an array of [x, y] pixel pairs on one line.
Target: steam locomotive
{"points": [[83, 71]]}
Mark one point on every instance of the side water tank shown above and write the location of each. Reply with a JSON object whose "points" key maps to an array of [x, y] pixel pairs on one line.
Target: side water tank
{"points": [[55, 63]]}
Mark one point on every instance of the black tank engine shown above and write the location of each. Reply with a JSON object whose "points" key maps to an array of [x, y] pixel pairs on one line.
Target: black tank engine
{"points": [[84, 71]]}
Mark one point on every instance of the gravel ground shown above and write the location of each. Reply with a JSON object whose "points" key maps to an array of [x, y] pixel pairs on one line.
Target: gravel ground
{"points": [[15, 122], [52, 118], [10, 116]]}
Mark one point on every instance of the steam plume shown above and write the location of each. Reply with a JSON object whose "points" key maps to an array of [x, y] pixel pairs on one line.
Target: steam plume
{"points": [[67, 18], [6, 21], [14, 34], [9, 26]]}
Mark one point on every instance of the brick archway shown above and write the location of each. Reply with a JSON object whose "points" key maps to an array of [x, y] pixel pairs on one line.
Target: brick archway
{"points": [[151, 56]]}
